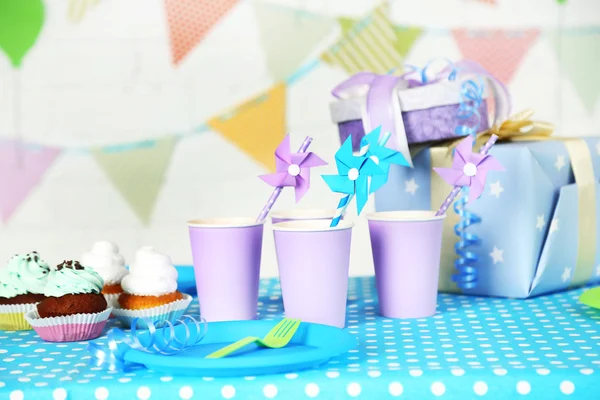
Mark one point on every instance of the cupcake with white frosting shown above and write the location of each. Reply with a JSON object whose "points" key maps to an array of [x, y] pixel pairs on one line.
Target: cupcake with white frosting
{"points": [[104, 258], [150, 289]]}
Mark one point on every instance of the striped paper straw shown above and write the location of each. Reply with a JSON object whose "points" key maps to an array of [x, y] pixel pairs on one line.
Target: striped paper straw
{"points": [[273, 198], [343, 204]]}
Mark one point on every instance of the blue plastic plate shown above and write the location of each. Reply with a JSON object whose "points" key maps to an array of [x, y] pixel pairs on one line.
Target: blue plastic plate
{"points": [[186, 281], [311, 346]]}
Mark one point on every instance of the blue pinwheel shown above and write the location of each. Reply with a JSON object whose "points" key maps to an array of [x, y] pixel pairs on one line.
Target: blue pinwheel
{"points": [[352, 178], [382, 156]]}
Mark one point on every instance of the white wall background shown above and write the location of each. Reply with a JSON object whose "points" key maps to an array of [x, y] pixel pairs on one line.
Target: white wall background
{"points": [[109, 79]]}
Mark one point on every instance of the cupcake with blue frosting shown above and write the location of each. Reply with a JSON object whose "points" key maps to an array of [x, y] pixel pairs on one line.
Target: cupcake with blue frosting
{"points": [[22, 283], [74, 307]]}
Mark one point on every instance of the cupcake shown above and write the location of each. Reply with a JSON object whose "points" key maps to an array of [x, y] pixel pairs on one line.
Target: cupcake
{"points": [[104, 258], [74, 308], [22, 283], [150, 290]]}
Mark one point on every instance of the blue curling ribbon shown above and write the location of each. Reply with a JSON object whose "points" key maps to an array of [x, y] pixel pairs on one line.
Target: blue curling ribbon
{"points": [[465, 265], [471, 98], [167, 343]]}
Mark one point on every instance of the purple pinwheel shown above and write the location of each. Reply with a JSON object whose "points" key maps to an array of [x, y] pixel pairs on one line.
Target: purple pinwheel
{"points": [[470, 169], [293, 169]]}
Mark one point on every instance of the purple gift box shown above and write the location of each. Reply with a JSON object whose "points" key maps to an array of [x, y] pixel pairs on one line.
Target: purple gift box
{"points": [[416, 112]]}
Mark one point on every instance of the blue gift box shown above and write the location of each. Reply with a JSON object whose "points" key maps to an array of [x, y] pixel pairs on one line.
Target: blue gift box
{"points": [[539, 218]]}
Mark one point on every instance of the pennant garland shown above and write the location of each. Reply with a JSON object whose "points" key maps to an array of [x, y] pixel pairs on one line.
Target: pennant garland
{"points": [[288, 36], [20, 24], [21, 169], [190, 20], [368, 45], [498, 51], [257, 126], [579, 60], [406, 36], [138, 174], [78, 8]]}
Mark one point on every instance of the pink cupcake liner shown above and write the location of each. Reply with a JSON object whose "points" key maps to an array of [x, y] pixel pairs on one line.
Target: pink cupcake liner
{"points": [[70, 328]]}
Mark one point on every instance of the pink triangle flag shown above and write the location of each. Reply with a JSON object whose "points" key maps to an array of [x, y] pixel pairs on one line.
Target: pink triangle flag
{"points": [[498, 51], [21, 169], [190, 20]]}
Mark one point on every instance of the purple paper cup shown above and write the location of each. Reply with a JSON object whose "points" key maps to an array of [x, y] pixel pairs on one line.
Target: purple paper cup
{"points": [[226, 254], [406, 249], [301, 215], [314, 260]]}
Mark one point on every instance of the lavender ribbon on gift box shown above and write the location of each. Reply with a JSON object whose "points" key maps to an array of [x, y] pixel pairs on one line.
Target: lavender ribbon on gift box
{"points": [[167, 343]]}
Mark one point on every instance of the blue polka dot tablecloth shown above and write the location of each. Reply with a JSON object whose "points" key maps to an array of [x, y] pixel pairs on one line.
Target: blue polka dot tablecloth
{"points": [[542, 348]]}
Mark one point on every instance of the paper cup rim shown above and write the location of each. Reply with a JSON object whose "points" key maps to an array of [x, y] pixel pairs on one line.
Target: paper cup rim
{"points": [[215, 223], [405, 216], [303, 214], [311, 225]]}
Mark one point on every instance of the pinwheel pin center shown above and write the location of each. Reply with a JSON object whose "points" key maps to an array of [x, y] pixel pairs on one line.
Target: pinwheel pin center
{"points": [[353, 174], [470, 169], [294, 170]]}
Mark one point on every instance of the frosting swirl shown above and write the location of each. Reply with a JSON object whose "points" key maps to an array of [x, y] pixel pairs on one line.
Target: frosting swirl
{"points": [[151, 274], [71, 277], [23, 274], [104, 258]]}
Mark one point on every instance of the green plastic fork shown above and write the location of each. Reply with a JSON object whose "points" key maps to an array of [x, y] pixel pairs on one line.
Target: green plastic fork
{"points": [[277, 338]]}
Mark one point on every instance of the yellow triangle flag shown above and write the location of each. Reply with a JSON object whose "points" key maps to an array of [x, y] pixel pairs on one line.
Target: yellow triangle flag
{"points": [[256, 126], [137, 173]]}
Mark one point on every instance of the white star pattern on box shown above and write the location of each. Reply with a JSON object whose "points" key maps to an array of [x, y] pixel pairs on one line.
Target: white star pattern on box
{"points": [[560, 162], [554, 225], [496, 188], [566, 275], [497, 255], [541, 222], [411, 186]]}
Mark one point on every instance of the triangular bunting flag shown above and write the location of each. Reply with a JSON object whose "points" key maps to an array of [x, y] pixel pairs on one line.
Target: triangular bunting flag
{"points": [[190, 20], [21, 169], [498, 51], [256, 126], [78, 8], [406, 36], [138, 173], [367, 45], [288, 36], [579, 55]]}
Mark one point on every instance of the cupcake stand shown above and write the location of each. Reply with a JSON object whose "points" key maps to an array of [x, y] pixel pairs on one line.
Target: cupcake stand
{"points": [[359, 337]]}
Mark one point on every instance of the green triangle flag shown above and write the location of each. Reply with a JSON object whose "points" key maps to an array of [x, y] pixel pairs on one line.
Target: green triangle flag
{"points": [[288, 36], [579, 57], [137, 173], [406, 36], [372, 44], [20, 24]]}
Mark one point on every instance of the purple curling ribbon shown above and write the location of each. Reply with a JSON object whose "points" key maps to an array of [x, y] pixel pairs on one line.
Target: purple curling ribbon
{"points": [[167, 343]]}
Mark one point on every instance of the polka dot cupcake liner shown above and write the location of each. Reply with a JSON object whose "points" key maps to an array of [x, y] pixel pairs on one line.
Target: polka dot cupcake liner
{"points": [[70, 328], [12, 317], [167, 312]]}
